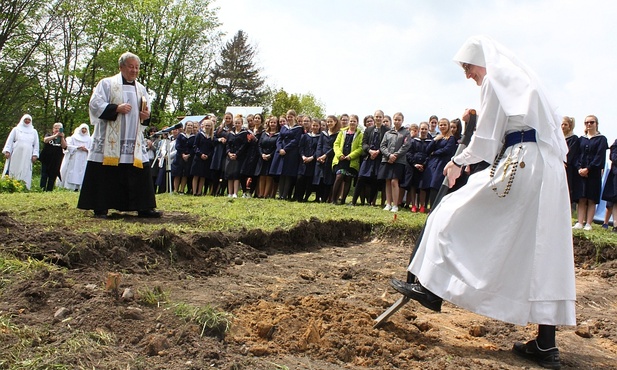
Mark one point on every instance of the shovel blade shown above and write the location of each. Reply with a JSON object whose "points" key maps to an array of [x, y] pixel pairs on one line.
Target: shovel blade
{"points": [[390, 311]]}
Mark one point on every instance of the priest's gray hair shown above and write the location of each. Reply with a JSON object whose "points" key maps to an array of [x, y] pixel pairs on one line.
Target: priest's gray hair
{"points": [[126, 56]]}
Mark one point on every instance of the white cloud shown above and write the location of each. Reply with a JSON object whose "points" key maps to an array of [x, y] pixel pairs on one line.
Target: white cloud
{"points": [[358, 56]]}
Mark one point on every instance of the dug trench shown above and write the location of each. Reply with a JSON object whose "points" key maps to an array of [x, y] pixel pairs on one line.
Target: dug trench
{"points": [[303, 298]]}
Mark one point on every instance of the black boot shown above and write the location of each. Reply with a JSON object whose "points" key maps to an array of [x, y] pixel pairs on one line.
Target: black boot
{"points": [[418, 293], [547, 358]]}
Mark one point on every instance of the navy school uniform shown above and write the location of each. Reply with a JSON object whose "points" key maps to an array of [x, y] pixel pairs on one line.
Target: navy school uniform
{"points": [[288, 140], [610, 188], [308, 147], [439, 154], [371, 140], [200, 167], [417, 154], [237, 143], [571, 170], [323, 171], [591, 155], [252, 154], [218, 158], [266, 146], [180, 167]]}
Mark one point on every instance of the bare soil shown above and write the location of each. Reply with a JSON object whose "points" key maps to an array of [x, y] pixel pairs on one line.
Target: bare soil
{"points": [[298, 302]]}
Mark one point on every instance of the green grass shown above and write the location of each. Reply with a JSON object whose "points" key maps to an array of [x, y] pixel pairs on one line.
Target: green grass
{"points": [[12, 268], [189, 214], [29, 348], [152, 297], [211, 321]]}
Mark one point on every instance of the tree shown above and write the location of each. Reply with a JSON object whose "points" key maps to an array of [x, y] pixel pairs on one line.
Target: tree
{"points": [[172, 36], [302, 104], [309, 105], [52, 54], [235, 76], [24, 28]]}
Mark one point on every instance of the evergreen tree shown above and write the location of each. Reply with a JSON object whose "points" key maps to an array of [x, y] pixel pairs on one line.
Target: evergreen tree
{"points": [[235, 76]]}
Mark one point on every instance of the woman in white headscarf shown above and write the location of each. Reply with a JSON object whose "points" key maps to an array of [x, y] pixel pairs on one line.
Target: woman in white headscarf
{"points": [[21, 151], [501, 246], [75, 158]]}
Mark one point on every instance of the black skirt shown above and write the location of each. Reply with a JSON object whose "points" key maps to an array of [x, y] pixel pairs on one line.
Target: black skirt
{"points": [[123, 187], [389, 171]]}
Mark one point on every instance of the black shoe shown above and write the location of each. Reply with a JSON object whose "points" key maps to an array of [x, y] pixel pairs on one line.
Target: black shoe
{"points": [[100, 214], [547, 358], [418, 293], [150, 213]]}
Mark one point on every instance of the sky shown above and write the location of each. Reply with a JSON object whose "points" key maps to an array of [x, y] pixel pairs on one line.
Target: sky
{"points": [[356, 56]]}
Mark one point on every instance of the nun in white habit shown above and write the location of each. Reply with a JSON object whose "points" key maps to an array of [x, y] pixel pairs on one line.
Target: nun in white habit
{"points": [[21, 150], [501, 246], [75, 158]]}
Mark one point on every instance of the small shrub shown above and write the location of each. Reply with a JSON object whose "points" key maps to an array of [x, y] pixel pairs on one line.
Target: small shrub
{"points": [[11, 185]]}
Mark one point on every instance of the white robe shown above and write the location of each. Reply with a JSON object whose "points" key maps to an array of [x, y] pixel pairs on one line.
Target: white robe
{"points": [[507, 258], [131, 130], [74, 162], [22, 144]]}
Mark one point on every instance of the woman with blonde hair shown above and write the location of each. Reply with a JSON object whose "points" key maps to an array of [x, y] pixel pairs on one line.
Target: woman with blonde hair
{"points": [[286, 159], [324, 177], [440, 150], [266, 148], [567, 126], [237, 144], [589, 165], [203, 176]]}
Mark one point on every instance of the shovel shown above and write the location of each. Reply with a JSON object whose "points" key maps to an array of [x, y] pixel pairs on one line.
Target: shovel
{"points": [[470, 127]]}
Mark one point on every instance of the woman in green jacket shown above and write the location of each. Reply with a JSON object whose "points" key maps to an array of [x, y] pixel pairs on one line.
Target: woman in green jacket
{"points": [[346, 161]]}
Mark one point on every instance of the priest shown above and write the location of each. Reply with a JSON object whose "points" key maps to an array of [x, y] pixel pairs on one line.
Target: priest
{"points": [[118, 171]]}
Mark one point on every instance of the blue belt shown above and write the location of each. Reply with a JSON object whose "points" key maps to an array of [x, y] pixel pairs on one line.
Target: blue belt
{"points": [[520, 137]]}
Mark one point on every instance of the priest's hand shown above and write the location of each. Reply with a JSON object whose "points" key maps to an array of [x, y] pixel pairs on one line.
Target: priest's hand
{"points": [[124, 108], [144, 115]]}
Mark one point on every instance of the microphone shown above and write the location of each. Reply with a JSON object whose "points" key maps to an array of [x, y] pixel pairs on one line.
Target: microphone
{"points": [[169, 129]]}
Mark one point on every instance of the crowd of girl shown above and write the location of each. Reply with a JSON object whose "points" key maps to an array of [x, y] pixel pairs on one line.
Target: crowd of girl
{"points": [[295, 157]]}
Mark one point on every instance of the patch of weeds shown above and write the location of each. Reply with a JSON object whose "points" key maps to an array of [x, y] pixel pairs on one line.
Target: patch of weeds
{"points": [[150, 265], [11, 268], [152, 297], [102, 337], [212, 321], [28, 351]]}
